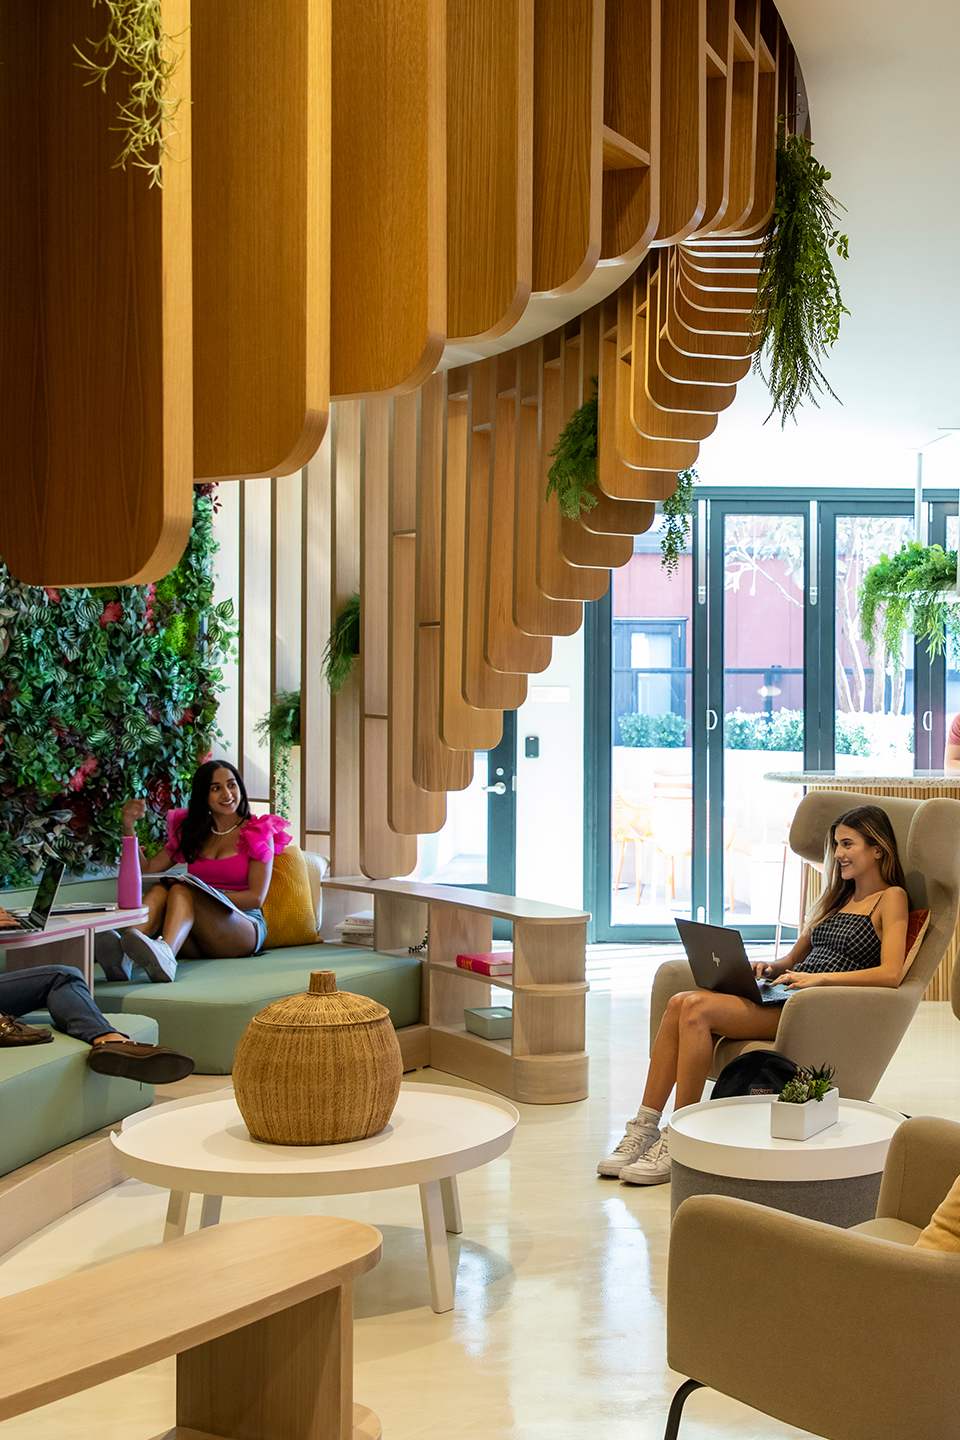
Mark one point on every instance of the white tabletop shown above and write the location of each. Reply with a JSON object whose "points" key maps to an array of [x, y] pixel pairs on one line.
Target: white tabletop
{"points": [[60, 927], [201, 1145], [732, 1137]]}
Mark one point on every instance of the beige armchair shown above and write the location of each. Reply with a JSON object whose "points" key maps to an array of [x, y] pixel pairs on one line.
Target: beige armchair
{"points": [[856, 1030], [848, 1334]]}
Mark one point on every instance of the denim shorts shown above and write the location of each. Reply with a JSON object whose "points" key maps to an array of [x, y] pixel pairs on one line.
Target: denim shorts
{"points": [[260, 925]]}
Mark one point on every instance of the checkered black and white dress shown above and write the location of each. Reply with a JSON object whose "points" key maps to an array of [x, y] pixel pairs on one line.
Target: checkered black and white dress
{"points": [[843, 942]]}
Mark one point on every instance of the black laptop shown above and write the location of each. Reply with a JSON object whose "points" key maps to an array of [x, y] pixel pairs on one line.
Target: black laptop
{"points": [[719, 962], [42, 904]]}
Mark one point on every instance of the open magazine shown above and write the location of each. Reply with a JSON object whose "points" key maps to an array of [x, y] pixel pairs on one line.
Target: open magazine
{"points": [[198, 884]]}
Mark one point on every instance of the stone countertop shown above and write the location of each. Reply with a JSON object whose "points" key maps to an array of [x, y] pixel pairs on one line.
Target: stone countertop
{"points": [[917, 779]]}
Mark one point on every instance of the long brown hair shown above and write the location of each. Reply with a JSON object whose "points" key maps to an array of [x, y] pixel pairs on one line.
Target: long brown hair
{"points": [[874, 825]]}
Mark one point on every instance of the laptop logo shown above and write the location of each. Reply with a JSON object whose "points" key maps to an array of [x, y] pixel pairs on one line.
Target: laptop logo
{"points": [[715, 959]]}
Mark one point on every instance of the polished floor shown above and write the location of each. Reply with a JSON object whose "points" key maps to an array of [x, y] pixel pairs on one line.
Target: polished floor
{"points": [[558, 1330]]}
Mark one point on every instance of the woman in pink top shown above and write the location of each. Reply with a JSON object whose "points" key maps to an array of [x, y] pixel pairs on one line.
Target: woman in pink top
{"points": [[223, 845]]}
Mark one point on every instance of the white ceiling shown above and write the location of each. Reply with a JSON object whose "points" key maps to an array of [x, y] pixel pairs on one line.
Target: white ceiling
{"points": [[881, 79]]}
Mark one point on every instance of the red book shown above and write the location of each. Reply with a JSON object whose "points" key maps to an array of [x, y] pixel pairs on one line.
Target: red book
{"points": [[494, 962]]}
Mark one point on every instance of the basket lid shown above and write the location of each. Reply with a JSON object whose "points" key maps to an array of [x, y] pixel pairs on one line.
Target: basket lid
{"points": [[323, 1005]]}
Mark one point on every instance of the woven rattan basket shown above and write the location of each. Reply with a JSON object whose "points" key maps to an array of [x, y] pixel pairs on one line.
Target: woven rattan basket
{"points": [[318, 1069]]}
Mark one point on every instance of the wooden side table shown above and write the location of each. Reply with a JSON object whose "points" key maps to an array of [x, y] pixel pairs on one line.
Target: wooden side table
{"points": [[66, 940]]}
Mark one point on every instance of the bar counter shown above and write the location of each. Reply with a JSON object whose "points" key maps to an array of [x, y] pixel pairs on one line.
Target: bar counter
{"points": [[918, 785]]}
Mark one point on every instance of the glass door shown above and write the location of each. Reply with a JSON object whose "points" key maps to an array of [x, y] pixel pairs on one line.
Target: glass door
{"points": [[477, 846]]}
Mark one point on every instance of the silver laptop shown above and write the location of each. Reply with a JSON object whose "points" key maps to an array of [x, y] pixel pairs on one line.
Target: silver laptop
{"points": [[42, 904], [719, 962]]}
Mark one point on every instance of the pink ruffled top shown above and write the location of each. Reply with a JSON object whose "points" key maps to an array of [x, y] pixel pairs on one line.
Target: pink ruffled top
{"points": [[259, 838]]}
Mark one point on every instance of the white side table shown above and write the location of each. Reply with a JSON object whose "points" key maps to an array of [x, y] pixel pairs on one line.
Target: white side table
{"points": [[201, 1146], [724, 1147]]}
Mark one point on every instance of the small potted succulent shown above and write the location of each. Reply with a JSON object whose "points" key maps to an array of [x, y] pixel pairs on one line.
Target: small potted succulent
{"points": [[806, 1105]]}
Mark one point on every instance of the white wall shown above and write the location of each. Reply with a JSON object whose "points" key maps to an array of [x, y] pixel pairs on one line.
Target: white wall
{"points": [[550, 789]]}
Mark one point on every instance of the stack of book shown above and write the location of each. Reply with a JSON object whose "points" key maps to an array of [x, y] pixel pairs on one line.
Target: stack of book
{"points": [[492, 962], [356, 929]]}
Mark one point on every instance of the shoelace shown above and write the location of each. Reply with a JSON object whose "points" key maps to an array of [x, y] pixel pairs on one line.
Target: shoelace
{"points": [[658, 1149]]}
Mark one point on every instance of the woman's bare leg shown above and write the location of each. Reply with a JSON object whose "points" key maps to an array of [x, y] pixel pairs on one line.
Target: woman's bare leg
{"points": [[683, 1049], [156, 903], [215, 931]]}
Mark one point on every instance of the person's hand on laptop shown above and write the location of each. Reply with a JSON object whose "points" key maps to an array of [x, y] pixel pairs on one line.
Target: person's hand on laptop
{"points": [[800, 979], [762, 969]]}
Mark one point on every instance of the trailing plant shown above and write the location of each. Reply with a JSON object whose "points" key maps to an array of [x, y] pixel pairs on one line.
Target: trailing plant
{"points": [[573, 474], [806, 1085], [915, 590], [677, 509], [665, 732], [798, 306], [104, 694], [137, 45], [343, 647], [281, 728]]}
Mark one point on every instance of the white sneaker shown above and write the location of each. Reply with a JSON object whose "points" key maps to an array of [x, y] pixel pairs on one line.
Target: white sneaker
{"points": [[653, 1168], [154, 956], [636, 1142]]}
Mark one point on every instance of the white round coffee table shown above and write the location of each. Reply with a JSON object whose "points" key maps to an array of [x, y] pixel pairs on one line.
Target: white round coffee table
{"points": [[202, 1147], [724, 1147]]}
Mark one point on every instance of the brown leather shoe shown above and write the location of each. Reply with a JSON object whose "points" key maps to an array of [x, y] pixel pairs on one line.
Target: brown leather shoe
{"points": [[150, 1064], [14, 1032]]}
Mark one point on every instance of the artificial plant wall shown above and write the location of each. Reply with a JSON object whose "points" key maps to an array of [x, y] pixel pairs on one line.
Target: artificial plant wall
{"points": [[105, 694]]}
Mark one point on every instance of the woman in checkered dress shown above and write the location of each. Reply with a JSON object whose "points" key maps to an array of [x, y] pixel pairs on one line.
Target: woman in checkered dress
{"points": [[856, 936]]}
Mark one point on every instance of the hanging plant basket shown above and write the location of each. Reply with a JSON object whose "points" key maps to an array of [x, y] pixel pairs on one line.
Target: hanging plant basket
{"points": [[798, 307], [343, 647], [281, 728], [573, 474], [914, 590]]}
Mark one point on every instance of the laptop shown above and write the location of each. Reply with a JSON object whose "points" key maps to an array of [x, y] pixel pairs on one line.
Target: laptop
{"points": [[719, 962], [42, 903]]}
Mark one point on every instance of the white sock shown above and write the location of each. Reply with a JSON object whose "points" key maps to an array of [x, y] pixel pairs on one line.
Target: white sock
{"points": [[646, 1115]]}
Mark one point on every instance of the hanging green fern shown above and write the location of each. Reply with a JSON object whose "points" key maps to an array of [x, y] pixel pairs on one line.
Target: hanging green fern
{"points": [[573, 474], [281, 727], [913, 590], [798, 307], [137, 44], [343, 647], [677, 509]]}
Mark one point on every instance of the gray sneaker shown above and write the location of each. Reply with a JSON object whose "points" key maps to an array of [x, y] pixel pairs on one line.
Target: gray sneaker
{"points": [[154, 956], [636, 1142], [653, 1168], [108, 953]]}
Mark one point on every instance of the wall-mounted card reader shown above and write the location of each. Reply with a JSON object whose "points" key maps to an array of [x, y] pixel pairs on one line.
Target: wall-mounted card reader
{"points": [[531, 747]]}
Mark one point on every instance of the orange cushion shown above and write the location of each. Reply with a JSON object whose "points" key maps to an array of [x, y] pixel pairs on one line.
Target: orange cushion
{"points": [[943, 1232], [289, 909], [917, 924]]}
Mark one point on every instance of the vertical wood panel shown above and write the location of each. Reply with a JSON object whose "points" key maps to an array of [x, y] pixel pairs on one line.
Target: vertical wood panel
{"points": [[227, 529], [261, 209], [345, 707], [743, 131], [556, 578], [617, 480], [506, 646], [436, 767], [631, 108], [482, 687], [410, 809], [383, 853], [256, 622], [719, 42], [683, 119], [95, 314], [462, 727], [489, 165], [315, 627], [388, 184], [286, 563], [659, 460], [656, 424], [698, 398], [534, 612], [567, 121]]}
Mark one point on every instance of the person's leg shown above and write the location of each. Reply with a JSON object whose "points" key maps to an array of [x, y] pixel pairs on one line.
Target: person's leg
{"points": [[218, 932], [157, 954], [155, 900], [643, 1131], [63, 991]]}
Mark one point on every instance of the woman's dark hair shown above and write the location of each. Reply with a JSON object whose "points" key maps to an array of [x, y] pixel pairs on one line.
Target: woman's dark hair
{"points": [[874, 825], [197, 826]]}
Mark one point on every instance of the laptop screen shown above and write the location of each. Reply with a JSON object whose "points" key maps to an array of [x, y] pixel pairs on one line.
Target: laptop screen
{"points": [[47, 891]]}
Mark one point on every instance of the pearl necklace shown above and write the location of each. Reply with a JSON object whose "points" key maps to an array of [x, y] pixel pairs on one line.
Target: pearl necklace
{"points": [[230, 831]]}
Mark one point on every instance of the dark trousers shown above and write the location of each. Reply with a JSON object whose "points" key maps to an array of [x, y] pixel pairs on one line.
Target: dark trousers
{"points": [[60, 989]]}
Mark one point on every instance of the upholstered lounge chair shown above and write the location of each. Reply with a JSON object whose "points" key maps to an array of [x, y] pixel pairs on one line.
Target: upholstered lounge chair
{"points": [[857, 1030], [847, 1334]]}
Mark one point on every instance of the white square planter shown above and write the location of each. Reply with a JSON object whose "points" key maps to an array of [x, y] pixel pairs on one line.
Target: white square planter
{"points": [[799, 1122]]}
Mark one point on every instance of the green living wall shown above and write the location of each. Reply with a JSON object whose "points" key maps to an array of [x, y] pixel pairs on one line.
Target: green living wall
{"points": [[105, 694]]}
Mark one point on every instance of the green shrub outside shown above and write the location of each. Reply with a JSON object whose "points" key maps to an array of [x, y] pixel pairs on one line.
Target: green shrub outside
{"points": [[745, 730], [663, 732]]}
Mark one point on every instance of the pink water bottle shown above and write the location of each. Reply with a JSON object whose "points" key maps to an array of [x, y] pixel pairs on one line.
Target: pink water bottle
{"points": [[129, 886]]}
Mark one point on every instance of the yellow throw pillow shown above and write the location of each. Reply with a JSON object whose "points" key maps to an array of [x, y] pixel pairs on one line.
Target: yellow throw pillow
{"points": [[288, 909], [943, 1232]]}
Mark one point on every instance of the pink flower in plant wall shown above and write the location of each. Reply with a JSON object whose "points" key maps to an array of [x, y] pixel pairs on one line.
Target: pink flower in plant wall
{"points": [[111, 612], [52, 594], [76, 780]]}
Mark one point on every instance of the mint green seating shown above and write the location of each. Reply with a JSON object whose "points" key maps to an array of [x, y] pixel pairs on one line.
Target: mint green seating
{"points": [[211, 1002], [48, 1096]]}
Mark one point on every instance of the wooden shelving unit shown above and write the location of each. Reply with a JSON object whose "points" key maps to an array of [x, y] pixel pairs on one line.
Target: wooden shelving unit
{"points": [[544, 1062]]}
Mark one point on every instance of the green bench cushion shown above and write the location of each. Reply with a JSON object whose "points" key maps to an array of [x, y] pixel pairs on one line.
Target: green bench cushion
{"points": [[211, 1002], [49, 1097]]}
